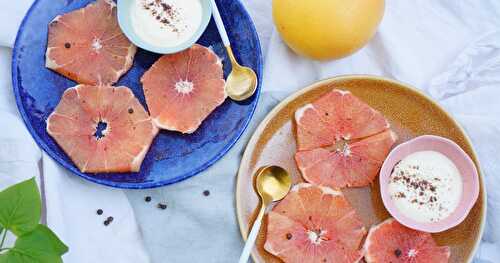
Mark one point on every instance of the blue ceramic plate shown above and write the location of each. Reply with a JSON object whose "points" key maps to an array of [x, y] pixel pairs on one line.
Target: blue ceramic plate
{"points": [[173, 157]]}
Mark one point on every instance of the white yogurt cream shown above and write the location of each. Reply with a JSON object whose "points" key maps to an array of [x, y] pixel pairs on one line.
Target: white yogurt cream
{"points": [[166, 23], [425, 186]]}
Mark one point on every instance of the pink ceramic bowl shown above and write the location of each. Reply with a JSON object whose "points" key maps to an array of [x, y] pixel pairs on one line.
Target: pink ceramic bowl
{"points": [[470, 179]]}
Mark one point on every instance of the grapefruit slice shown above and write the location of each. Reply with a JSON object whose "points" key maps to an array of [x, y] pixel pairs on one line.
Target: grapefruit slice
{"points": [[314, 224], [102, 128], [352, 165], [182, 89], [392, 242], [341, 141], [88, 46]]}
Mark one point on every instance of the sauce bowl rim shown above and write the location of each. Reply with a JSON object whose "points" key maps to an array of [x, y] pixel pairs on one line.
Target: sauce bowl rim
{"points": [[467, 199]]}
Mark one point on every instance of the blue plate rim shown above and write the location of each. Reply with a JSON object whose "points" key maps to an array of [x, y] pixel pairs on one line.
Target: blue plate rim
{"points": [[146, 185]]}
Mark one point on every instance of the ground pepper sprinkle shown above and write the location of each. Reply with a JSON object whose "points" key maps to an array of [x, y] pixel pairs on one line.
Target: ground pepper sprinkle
{"points": [[423, 191], [108, 220], [166, 14], [424, 186]]}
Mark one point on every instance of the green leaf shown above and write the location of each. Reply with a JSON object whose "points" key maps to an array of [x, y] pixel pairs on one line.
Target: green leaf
{"points": [[20, 207], [14, 256], [40, 246], [42, 238]]}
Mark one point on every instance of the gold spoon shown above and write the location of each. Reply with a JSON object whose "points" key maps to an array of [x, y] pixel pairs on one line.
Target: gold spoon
{"points": [[273, 184], [242, 81]]}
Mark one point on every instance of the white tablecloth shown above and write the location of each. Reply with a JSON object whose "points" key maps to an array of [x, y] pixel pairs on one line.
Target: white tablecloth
{"points": [[449, 49]]}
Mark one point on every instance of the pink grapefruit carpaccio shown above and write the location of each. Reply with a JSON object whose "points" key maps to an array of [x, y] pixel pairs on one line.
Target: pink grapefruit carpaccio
{"points": [[314, 224], [341, 141], [392, 242], [182, 89], [102, 128], [88, 46]]}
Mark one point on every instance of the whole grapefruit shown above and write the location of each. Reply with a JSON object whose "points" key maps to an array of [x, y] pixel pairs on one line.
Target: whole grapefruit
{"points": [[327, 29]]}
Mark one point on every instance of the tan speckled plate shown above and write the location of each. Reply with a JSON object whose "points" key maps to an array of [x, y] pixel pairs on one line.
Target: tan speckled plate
{"points": [[411, 114]]}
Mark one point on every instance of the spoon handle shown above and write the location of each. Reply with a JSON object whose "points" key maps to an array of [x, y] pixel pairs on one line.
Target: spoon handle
{"points": [[252, 236], [220, 24]]}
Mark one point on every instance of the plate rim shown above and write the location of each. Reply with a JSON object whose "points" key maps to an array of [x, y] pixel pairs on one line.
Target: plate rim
{"points": [[263, 124], [120, 185]]}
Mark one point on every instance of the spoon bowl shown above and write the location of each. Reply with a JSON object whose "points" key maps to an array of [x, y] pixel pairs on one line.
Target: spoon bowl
{"points": [[241, 82], [273, 183]]}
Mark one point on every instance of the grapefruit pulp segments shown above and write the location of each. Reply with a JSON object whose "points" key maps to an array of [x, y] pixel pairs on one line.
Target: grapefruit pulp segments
{"points": [[314, 224], [102, 128], [392, 242], [355, 165], [182, 89], [88, 46], [341, 141]]}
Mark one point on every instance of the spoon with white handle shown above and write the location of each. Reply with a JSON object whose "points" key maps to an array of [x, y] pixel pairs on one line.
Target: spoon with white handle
{"points": [[273, 184], [242, 81]]}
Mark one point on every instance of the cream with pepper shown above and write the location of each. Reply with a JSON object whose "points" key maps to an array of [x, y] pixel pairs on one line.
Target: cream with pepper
{"points": [[166, 23], [425, 186]]}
